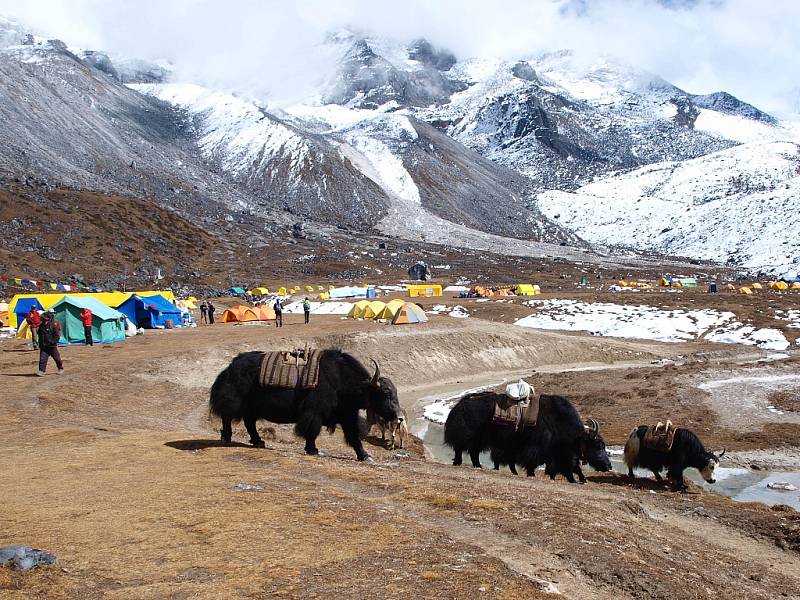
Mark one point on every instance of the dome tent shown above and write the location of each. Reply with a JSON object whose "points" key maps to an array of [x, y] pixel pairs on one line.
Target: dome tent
{"points": [[239, 314], [409, 313], [152, 312]]}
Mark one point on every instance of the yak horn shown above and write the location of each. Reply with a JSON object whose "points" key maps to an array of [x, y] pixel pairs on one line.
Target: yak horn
{"points": [[593, 426], [377, 375], [721, 454]]}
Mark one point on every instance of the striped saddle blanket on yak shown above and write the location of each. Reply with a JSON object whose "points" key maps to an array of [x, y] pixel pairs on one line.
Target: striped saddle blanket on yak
{"points": [[659, 437], [297, 369], [517, 414]]}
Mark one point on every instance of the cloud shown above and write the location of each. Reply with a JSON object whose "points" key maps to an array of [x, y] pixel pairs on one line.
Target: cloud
{"points": [[272, 48]]}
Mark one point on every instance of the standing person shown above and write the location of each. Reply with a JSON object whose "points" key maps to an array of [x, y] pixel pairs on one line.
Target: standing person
{"points": [[211, 310], [49, 335], [86, 317], [306, 309], [34, 321], [278, 308], [203, 312]]}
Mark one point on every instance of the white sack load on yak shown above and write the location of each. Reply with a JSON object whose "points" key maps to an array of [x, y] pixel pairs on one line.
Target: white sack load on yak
{"points": [[519, 407]]}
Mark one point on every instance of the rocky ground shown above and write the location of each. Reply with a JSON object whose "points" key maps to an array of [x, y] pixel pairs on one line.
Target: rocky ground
{"points": [[115, 467]]}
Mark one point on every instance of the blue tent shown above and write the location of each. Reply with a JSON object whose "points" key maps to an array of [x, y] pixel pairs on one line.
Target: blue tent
{"points": [[151, 312], [236, 291], [23, 307]]}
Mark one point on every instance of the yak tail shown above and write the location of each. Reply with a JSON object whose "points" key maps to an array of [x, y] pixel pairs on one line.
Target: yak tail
{"points": [[631, 454], [224, 400]]}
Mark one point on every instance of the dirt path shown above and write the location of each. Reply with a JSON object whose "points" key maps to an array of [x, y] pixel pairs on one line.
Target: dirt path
{"points": [[115, 468]]}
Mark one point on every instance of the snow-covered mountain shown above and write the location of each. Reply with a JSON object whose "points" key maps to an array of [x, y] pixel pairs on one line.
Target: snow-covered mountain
{"points": [[738, 206], [416, 142]]}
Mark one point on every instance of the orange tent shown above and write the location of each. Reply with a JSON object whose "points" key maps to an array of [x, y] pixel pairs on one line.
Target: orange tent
{"points": [[239, 314], [264, 312], [409, 313]]}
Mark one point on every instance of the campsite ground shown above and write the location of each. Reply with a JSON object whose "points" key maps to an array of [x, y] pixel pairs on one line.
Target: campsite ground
{"points": [[115, 467]]}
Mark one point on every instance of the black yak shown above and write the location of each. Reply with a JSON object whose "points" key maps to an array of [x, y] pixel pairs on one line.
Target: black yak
{"points": [[687, 451], [558, 440], [345, 387]]}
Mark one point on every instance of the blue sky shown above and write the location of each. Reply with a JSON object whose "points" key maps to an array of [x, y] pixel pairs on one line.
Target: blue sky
{"points": [[750, 48]]}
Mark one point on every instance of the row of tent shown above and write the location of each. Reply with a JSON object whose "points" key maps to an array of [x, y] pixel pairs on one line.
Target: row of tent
{"points": [[398, 312], [109, 324], [775, 285]]}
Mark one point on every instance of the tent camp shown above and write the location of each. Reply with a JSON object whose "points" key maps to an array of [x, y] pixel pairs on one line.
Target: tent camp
{"points": [[374, 309], [239, 314], [264, 312], [110, 299], [152, 312], [108, 325], [409, 313], [425, 290], [357, 312]]}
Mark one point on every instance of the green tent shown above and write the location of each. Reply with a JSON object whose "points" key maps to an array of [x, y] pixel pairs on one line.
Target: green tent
{"points": [[688, 282], [108, 325]]}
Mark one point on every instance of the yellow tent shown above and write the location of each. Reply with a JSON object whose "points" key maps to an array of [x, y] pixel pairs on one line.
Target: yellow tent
{"points": [[676, 283], [527, 289], [24, 331], [663, 282], [425, 290], [745, 291], [3, 318], [324, 296], [190, 303], [409, 313], [259, 291], [309, 288], [796, 285], [391, 309], [320, 288], [331, 287], [282, 291], [781, 285], [357, 312], [731, 287], [374, 309], [757, 286]]}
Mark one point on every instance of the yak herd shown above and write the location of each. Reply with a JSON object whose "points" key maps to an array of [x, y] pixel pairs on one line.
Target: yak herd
{"points": [[559, 439]]}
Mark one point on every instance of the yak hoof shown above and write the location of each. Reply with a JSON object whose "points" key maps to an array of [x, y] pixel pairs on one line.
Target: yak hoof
{"points": [[258, 444], [365, 458], [312, 451]]}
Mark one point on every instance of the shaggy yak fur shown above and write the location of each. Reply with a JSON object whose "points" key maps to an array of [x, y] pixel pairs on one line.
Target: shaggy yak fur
{"points": [[559, 440], [345, 387], [687, 451]]}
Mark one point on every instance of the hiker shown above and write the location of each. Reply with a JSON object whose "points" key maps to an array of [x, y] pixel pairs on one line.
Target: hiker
{"points": [[86, 316], [211, 310], [306, 309], [34, 321], [278, 308], [203, 312], [49, 335]]}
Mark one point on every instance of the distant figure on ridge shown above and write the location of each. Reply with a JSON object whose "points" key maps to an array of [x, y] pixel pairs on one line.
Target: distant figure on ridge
{"points": [[49, 335], [34, 321], [86, 317]]}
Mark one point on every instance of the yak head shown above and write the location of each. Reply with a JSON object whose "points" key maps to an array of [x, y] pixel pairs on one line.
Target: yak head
{"points": [[711, 463], [383, 396], [593, 447]]}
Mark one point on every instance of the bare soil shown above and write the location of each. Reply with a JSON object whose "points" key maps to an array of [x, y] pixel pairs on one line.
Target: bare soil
{"points": [[116, 468]]}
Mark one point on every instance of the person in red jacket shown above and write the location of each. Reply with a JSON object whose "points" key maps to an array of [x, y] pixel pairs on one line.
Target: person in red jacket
{"points": [[34, 321], [86, 317]]}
